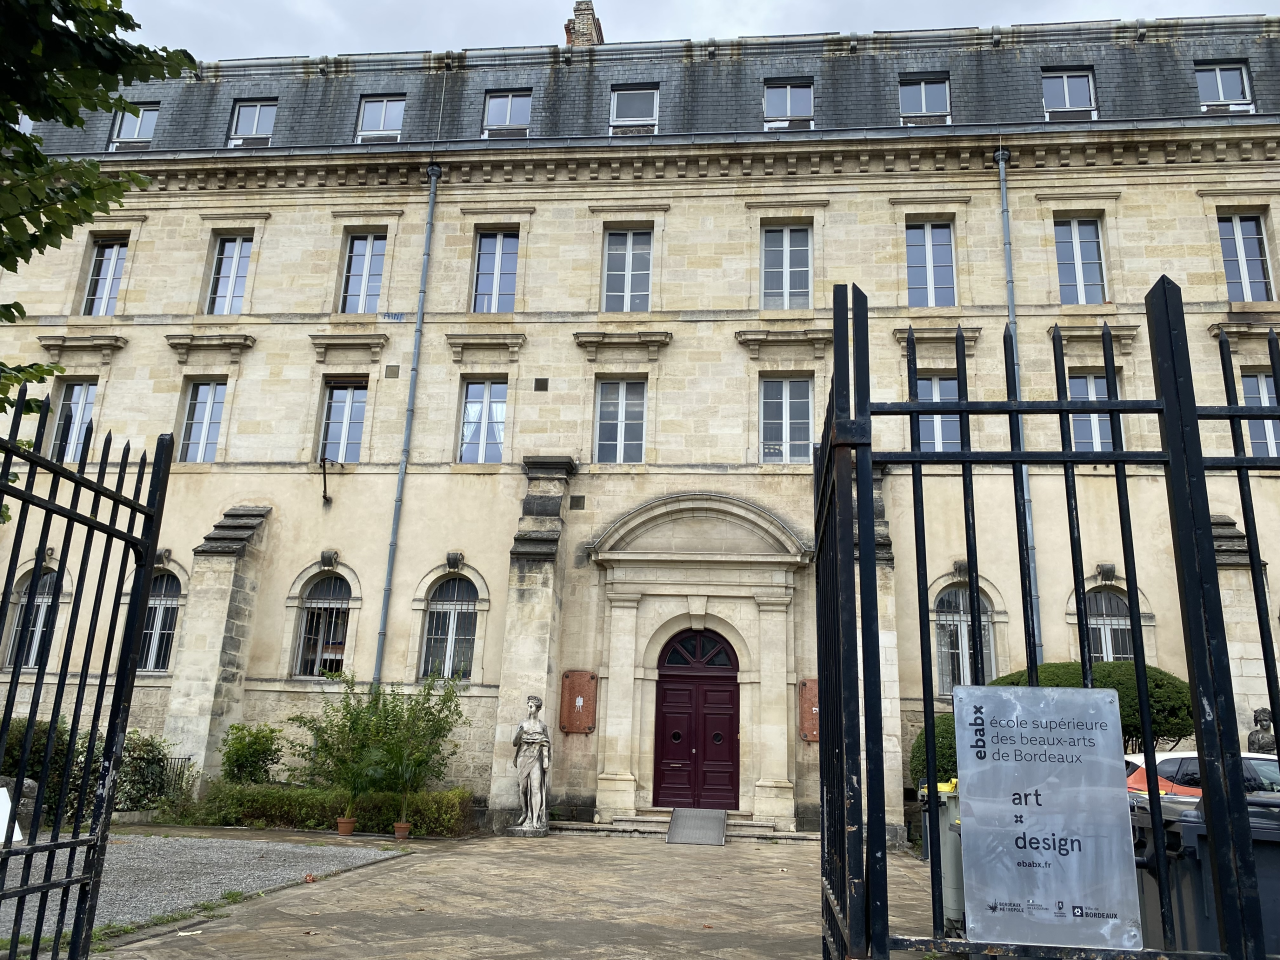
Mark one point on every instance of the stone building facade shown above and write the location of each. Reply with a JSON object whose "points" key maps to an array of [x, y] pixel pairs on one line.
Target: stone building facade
{"points": [[626, 350]]}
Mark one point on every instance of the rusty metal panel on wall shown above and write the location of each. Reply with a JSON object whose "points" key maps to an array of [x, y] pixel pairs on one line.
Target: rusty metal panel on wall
{"points": [[578, 702], [809, 711]]}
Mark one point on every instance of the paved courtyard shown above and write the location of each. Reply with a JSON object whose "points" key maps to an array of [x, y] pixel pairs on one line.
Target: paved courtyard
{"points": [[563, 897]]}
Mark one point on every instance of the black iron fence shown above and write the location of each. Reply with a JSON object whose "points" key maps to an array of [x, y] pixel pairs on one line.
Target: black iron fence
{"points": [[854, 841], [80, 547]]}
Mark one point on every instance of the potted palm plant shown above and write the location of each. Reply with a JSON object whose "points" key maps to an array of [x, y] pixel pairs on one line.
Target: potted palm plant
{"points": [[357, 775], [405, 767]]}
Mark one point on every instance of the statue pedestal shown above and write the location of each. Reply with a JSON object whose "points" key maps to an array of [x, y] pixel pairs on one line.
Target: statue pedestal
{"points": [[527, 832]]}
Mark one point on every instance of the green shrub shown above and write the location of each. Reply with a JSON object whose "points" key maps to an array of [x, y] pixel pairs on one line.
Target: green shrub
{"points": [[433, 813], [141, 782], [1169, 696], [249, 753], [944, 736], [35, 760]]}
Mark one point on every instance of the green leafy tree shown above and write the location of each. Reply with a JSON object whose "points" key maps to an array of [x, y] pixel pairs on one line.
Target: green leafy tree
{"points": [[249, 752], [60, 59]]}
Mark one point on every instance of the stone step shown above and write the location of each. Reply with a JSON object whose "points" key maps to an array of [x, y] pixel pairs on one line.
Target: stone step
{"points": [[648, 829]]}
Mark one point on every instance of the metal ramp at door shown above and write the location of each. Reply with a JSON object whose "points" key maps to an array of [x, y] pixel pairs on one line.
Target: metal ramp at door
{"points": [[697, 826]]}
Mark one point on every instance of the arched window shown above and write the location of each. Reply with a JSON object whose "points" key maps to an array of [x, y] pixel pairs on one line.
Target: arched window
{"points": [[162, 618], [449, 634], [24, 645], [325, 609], [951, 618], [1110, 636]]}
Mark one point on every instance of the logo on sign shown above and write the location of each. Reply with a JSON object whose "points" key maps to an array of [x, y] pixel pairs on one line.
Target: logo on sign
{"points": [[978, 731]]}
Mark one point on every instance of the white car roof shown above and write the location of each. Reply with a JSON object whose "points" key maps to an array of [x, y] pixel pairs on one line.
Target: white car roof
{"points": [[1139, 759]]}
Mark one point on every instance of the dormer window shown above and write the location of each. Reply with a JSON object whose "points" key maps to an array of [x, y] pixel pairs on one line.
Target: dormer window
{"points": [[634, 112], [788, 106], [1224, 89], [134, 133], [380, 120], [1069, 95], [506, 115], [252, 123], [924, 102]]}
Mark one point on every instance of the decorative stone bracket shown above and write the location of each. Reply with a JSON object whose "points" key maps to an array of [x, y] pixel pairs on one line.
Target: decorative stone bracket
{"points": [[511, 342], [938, 337], [1077, 336], [1237, 330], [373, 342], [753, 340], [107, 345], [654, 340], [184, 343]]}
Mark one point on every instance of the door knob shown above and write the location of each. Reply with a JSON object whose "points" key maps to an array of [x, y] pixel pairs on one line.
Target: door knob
{"points": [[695, 749]]}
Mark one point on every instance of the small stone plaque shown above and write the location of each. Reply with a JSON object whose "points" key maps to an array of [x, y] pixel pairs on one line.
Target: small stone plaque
{"points": [[808, 698], [578, 701]]}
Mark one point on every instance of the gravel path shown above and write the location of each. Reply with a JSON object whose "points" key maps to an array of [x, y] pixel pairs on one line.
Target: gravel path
{"points": [[146, 876]]}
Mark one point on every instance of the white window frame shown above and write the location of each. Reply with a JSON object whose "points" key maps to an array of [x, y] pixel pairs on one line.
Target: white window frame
{"points": [[383, 131], [195, 431], [237, 139], [500, 240], [453, 608], [1079, 259], [45, 607], [363, 297], [628, 272], [241, 248], [344, 426], [1235, 106], [1063, 75], [786, 121], [145, 114], [511, 130], [938, 443], [68, 449], [97, 304], [1242, 262], [1106, 626], [787, 248], [788, 422], [485, 420], [621, 443], [1094, 382], [159, 621], [908, 118], [931, 286], [621, 126], [1269, 430]]}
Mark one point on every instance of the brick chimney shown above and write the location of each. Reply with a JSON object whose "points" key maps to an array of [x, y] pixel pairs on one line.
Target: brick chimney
{"points": [[584, 30]]}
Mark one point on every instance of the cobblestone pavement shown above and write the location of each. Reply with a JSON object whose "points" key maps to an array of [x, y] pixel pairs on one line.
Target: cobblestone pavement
{"points": [[563, 897]]}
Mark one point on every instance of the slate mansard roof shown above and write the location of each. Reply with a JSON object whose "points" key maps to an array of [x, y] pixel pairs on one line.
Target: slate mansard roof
{"points": [[1144, 71]]}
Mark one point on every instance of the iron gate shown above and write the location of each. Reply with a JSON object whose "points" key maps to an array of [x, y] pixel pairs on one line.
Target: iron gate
{"points": [[71, 625], [854, 863]]}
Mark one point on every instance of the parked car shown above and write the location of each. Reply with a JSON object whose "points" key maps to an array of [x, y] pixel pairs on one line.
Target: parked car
{"points": [[1179, 773]]}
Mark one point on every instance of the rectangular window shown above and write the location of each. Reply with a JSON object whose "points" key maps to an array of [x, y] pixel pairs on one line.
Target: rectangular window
{"points": [[786, 421], [924, 102], [484, 414], [786, 268], [939, 433], [1224, 89], [1080, 274], [362, 281], [104, 278], [380, 120], [74, 414], [134, 133], [203, 422], [495, 290], [343, 421], [931, 272], [507, 115], [230, 268], [1068, 95], [1260, 391], [634, 112], [788, 106], [1244, 255], [620, 421], [252, 124], [1090, 432], [626, 271]]}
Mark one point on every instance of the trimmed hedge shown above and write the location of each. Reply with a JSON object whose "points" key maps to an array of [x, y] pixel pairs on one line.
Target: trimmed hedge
{"points": [[944, 736], [433, 813]]}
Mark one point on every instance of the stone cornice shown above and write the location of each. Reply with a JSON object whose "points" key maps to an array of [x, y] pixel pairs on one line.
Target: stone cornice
{"points": [[58, 345], [184, 343], [593, 342], [1239, 330], [324, 342], [938, 336], [511, 342], [753, 340], [1076, 335]]}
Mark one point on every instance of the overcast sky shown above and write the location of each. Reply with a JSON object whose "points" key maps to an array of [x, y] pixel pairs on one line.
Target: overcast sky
{"points": [[228, 29]]}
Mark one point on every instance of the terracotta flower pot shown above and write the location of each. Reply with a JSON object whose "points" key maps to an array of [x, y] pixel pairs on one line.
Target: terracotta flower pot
{"points": [[346, 826], [402, 831]]}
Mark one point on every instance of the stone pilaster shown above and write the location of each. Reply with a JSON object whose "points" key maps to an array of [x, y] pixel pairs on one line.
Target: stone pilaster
{"points": [[1240, 616], [774, 791], [530, 641], [616, 786], [211, 656]]}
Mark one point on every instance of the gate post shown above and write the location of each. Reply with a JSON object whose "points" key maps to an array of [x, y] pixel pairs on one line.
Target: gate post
{"points": [[1226, 811]]}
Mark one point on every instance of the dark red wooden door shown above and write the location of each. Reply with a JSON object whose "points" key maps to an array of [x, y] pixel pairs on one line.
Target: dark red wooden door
{"points": [[696, 754]]}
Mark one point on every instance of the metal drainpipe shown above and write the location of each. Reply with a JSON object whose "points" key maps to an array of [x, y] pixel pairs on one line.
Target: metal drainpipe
{"points": [[1002, 157], [433, 171]]}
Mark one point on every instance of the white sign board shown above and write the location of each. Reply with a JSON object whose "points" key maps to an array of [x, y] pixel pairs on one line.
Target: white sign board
{"points": [[1044, 818], [4, 815]]}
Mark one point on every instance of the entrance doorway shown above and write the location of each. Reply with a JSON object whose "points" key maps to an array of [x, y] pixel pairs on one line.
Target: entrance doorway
{"points": [[697, 749]]}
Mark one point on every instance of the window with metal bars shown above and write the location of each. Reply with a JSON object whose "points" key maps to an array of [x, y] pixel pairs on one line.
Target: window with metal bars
{"points": [[495, 288], [1090, 432], [230, 271], [787, 268], [940, 432], [104, 277], [786, 421], [24, 645], [74, 415], [620, 421], [161, 622], [449, 632], [1079, 248], [627, 263], [1244, 257], [484, 414], [1264, 435], [343, 420], [203, 422], [951, 628], [931, 271], [362, 282], [322, 641], [1110, 633]]}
